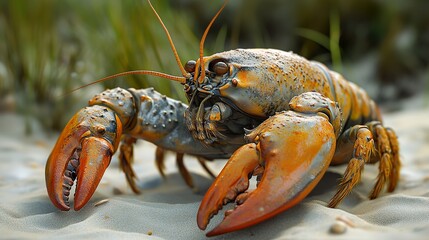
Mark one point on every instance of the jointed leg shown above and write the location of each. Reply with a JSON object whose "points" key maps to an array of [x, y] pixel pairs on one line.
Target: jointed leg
{"points": [[160, 164], [203, 164], [384, 153], [363, 145], [126, 159], [388, 154], [396, 163], [369, 143], [159, 160]]}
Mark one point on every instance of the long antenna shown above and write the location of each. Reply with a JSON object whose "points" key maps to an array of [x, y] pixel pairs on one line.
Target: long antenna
{"points": [[176, 55], [203, 72], [136, 72]]}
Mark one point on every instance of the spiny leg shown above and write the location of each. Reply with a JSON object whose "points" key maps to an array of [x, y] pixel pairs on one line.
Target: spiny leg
{"points": [[384, 150], [126, 159], [396, 163], [160, 160], [386, 146], [160, 164], [203, 164], [183, 171], [363, 144]]}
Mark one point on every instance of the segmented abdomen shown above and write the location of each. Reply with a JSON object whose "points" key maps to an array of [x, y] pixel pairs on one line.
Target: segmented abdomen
{"points": [[357, 107]]}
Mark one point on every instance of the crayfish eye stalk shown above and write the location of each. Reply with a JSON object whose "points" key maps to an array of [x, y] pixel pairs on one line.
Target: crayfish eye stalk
{"points": [[190, 66]]}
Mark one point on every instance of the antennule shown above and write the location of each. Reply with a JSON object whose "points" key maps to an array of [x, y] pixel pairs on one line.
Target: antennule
{"points": [[176, 55]]}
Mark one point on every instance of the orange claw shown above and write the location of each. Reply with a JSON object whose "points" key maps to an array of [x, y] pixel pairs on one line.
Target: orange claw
{"points": [[234, 180], [94, 159], [294, 148], [83, 151]]}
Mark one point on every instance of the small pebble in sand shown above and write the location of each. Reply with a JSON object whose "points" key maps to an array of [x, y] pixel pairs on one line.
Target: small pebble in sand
{"points": [[101, 202], [117, 191], [338, 227], [346, 220]]}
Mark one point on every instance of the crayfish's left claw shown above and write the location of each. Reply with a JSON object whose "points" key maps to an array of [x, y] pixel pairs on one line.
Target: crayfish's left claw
{"points": [[290, 151], [83, 151]]}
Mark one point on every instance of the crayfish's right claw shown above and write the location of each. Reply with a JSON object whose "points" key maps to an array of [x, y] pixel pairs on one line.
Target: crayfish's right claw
{"points": [[288, 152], [83, 151]]}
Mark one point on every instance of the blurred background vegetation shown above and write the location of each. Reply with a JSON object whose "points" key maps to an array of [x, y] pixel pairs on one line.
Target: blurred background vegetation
{"points": [[49, 47]]}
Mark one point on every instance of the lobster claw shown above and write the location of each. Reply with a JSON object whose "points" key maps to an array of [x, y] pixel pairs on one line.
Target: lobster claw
{"points": [[289, 153], [82, 151]]}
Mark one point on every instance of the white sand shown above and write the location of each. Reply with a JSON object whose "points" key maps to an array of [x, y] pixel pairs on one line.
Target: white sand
{"points": [[167, 208]]}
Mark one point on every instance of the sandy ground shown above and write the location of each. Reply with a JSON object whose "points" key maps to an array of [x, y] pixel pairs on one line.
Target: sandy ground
{"points": [[167, 208]]}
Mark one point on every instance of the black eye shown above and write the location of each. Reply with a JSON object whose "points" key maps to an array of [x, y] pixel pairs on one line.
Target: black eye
{"points": [[190, 66], [220, 68]]}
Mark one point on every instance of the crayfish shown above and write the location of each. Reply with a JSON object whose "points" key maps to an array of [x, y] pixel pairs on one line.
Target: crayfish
{"points": [[274, 114]]}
